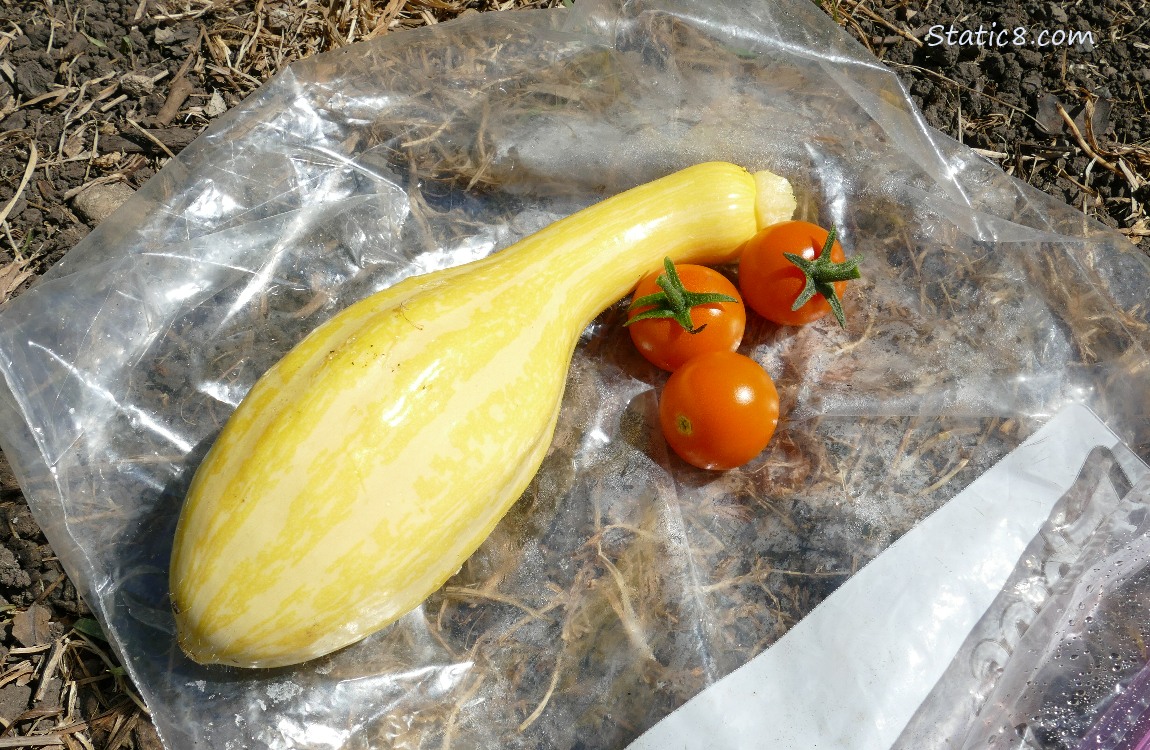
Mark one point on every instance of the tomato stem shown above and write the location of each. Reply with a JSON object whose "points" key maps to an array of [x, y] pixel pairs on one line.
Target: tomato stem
{"points": [[675, 301], [821, 275]]}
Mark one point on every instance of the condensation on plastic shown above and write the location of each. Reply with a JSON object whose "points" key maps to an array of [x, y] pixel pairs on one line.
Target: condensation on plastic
{"points": [[623, 582], [1059, 661]]}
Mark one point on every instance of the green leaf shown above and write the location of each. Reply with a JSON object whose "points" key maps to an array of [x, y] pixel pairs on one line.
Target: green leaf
{"points": [[90, 627]]}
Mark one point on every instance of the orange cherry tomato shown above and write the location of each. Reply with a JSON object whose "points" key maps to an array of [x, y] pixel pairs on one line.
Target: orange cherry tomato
{"points": [[719, 410], [771, 283], [665, 343]]}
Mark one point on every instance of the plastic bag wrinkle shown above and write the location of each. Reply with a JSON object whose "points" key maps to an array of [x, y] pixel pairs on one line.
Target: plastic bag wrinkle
{"points": [[1060, 647]]}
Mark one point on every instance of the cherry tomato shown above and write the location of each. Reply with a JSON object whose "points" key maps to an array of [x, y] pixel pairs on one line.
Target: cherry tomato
{"points": [[666, 343], [771, 283], [719, 410]]}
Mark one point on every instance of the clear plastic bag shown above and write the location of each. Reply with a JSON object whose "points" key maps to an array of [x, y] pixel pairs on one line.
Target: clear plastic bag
{"points": [[1059, 661], [622, 583]]}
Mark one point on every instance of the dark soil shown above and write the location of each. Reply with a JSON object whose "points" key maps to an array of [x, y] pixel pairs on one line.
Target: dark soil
{"points": [[96, 94]]}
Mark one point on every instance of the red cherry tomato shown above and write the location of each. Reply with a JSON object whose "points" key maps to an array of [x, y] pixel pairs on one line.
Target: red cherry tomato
{"points": [[719, 410], [771, 283], [664, 341]]}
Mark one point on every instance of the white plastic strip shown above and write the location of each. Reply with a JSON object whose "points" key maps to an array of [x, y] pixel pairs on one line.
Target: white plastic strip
{"points": [[852, 673]]}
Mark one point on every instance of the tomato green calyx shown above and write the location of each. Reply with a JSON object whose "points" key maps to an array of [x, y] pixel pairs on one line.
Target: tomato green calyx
{"points": [[821, 275], [675, 301]]}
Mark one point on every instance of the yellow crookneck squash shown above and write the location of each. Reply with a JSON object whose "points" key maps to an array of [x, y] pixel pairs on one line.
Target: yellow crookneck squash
{"points": [[366, 466]]}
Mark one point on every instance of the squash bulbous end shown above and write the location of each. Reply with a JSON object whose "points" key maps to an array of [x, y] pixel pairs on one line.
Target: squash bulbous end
{"points": [[196, 647], [207, 644], [203, 649]]}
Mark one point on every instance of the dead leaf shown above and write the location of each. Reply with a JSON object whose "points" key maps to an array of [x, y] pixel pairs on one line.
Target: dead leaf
{"points": [[12, 276], [74, 146], [1051, 122], [32, 627], [215, 106]]}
